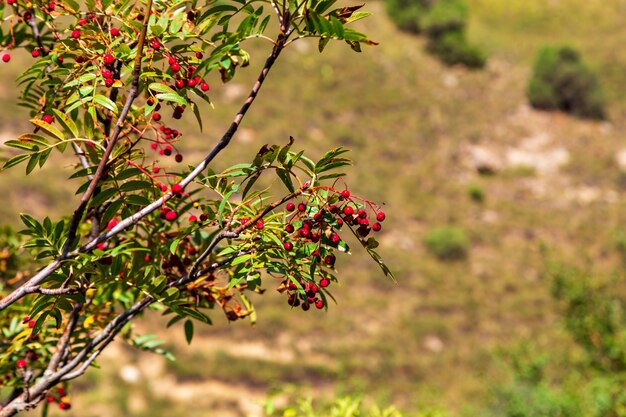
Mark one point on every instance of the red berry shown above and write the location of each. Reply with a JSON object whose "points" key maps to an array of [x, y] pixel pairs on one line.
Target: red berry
{"points": [[51, 6], [362, 214], [47, 118], [329, 259], [109, 82], [180, 84], [65, 406], [28, 16], [146, 258], [35, 53], [150, 101], [178, 158], [26, 319], [171, 60], [205, 87], [348, 210], [171, 215], [177, 189], [6, 58], [290, 207], [114, 32], [82, 21], [163, 187], [289, 228], [191, 82], [376, 227], [31, 324], [192, 219], [101, 246], [107, 73], [335, 238], [199, 55], [50, 399], [175, 67], [288, 246], [76, 34], [167, 151], [21, 363], [319, 304], [324, 282], [156, 170], [156, 45], [380, 216], [260, 224], [345, 194], [301, 207], [112, 224], [60, 59], [108, 59], [156, 117]]}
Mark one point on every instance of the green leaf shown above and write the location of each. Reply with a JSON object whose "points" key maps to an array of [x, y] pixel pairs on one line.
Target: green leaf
{"points": [[172, 97], [67, 123], [48, 128], [105, 102], [188, 331]]}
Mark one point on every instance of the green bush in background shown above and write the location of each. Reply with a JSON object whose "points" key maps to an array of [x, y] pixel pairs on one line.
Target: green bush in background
{"points": [[408, 14], [452, 48], [447, 243], [594, 315], [561, 81], [341, 407], [444, 23]]}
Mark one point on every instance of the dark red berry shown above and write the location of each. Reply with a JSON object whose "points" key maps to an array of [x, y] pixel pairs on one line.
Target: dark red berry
{"points": [[380, 216], [109, 82], [64, 406], [150, 101], [376, 227], [156, 117], [289, 228], [199, 55], [178, 158], [288, 246], [301, 207], [329, 259], [203, 217], [290, 207], [177, 188]]}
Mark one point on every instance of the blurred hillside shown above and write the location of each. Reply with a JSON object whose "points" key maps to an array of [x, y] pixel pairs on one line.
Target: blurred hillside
{"points": [[421, 134]]}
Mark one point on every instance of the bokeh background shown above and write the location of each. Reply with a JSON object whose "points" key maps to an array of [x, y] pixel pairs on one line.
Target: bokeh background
{"points": [[458, 336]]}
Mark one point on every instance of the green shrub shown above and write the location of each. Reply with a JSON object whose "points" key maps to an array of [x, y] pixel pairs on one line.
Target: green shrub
{"points": [[445, 16], [444, 23], [476, 193], [447, 243], [452, 49], [561, 81], [408, 14]]}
